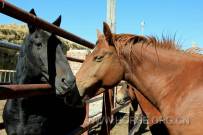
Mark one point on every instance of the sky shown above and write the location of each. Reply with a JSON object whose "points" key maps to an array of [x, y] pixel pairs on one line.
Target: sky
{"points": [[180, 18]]}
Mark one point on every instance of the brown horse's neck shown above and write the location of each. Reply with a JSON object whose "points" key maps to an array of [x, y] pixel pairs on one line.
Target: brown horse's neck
{"points": [[157, 72]]}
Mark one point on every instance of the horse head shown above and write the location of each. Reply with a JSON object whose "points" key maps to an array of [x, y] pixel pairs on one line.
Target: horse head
{"points": [[102, 68], [42, 60]]}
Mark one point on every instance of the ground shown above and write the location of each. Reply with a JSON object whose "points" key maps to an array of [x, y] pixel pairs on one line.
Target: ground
{"points": [[121, 128]]}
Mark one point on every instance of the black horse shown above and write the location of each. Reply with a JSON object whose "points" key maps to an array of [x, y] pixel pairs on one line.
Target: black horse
{"points": [[41, 60]]}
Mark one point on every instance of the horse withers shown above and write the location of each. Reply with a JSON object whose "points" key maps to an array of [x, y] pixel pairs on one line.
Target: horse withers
{"points": [[41, 60], [168, 77]]}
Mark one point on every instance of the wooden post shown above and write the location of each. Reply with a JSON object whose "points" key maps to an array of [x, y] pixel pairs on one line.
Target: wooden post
{"points": [[0, 77], [111, 14], [111, 20], [106, 115], [5, 74], [86, 121], [131, 119], [111, 98]]}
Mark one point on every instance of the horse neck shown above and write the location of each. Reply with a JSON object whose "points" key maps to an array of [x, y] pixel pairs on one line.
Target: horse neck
{"points": [[156, 72]]}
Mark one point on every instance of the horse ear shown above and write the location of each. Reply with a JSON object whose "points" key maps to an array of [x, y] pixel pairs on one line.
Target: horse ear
{"points": [[31, 27], [107, 33], [57, 22], [99, 34], [32, 11], [101, 37]]}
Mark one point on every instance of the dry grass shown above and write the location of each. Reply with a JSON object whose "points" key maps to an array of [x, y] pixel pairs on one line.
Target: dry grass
{"points": [[13, 33]]}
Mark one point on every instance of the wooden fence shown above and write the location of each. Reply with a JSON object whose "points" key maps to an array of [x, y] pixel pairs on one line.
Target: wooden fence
{"points": [[16, 91]]}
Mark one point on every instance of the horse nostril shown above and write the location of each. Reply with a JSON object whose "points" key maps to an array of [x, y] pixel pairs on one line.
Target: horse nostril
{"points": [[68, 83], [63, 80]]}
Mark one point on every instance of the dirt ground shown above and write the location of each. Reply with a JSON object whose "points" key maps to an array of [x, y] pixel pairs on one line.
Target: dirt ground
{"points": [[121, 127]]}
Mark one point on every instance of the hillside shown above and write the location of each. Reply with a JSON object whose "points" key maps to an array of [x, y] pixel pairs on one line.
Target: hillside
{"points": [[16, 33]]}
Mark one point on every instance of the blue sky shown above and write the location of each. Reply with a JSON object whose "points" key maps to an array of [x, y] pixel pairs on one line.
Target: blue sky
{"points": [[162, 17]]}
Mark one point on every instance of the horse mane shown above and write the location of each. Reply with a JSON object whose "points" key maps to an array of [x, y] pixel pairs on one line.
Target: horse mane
{"points": [[124, 44], [122, 40], [194, 50]]}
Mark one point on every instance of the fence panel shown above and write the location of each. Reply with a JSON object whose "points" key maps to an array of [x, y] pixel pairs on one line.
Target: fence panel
{"points": [[7, 76]]}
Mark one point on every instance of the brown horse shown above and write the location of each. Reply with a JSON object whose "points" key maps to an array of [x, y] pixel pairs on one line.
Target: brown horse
{"points": [[169, 78], [123, 94]]}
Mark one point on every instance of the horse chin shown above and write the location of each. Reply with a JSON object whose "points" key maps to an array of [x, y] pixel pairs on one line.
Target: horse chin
{"points": [[84, 87], [59, 92], [81, 89], [73, 99], [61, 89]]}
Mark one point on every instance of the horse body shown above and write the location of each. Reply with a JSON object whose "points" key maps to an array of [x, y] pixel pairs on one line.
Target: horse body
{"points": [[169, 78], [41, 60], [172, 88]]}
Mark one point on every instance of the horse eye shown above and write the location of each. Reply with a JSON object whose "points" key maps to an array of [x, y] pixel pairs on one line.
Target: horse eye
{"points": [[36, 36], [99, 58]]}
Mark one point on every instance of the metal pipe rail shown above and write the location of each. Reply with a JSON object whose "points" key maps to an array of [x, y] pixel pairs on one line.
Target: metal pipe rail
{"points": [[16, 90], [17, 13], [85, 127], [75, 59], [9, 45], [24, 90], [11, 71]]}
